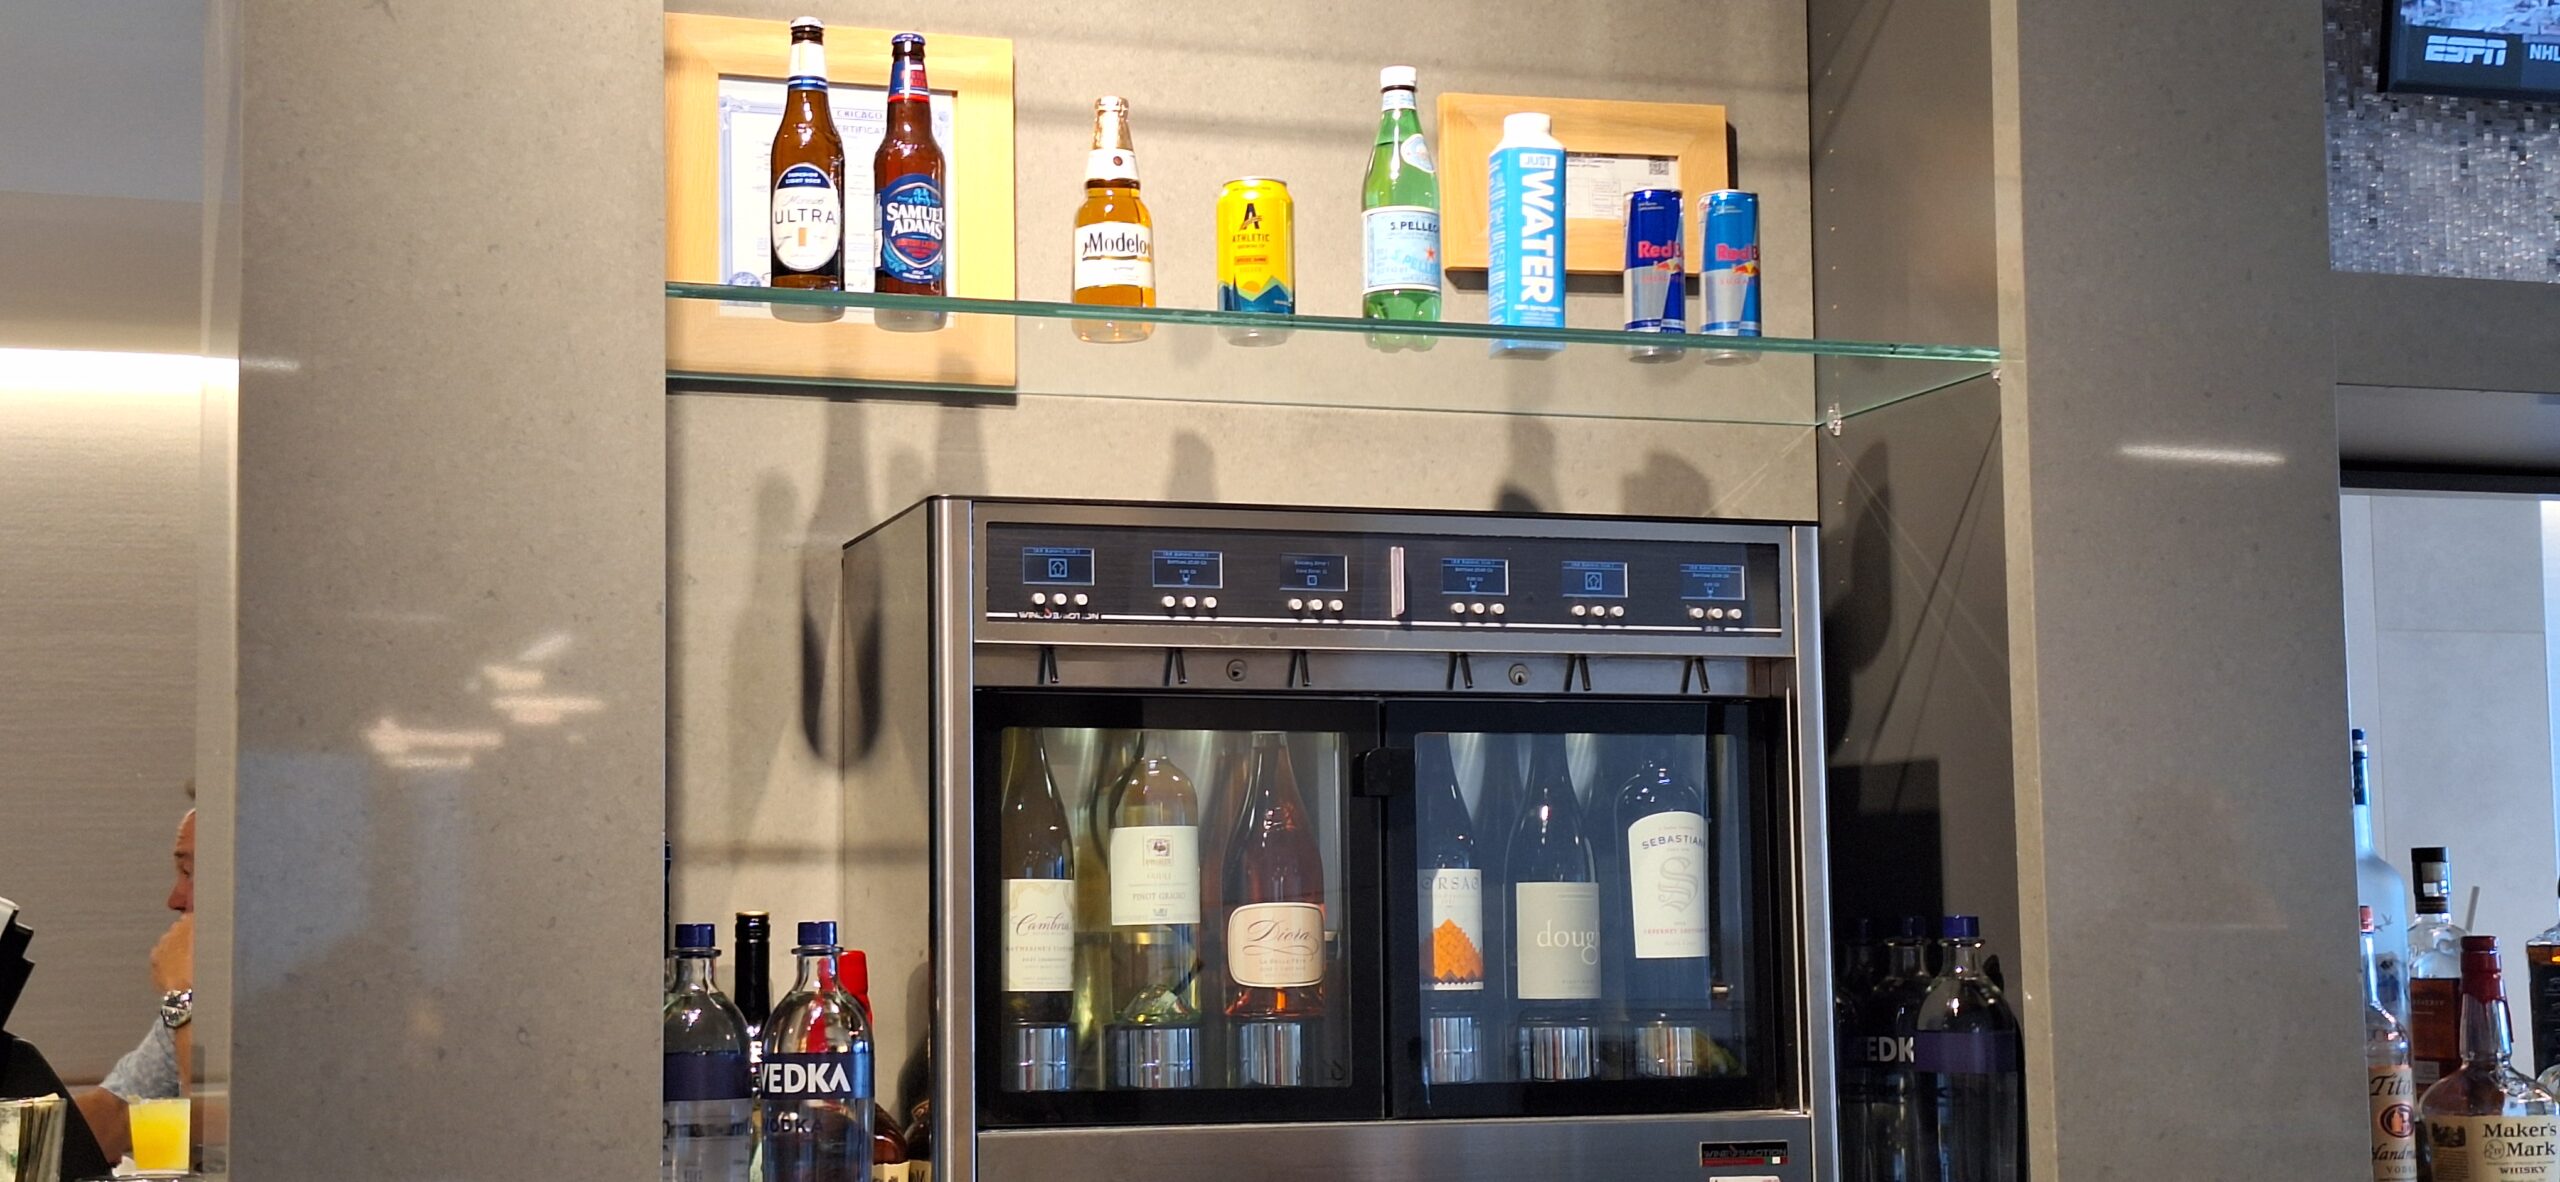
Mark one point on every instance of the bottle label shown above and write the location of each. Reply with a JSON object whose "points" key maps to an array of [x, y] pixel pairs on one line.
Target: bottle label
{"points": [[1559, 936], [1396, 98], [1416, 152], [1039, 935], [822, 1075], [1106, 165], [1667, 885], [2542, 977], [1884, 1050], [2435, 1025], [1965, 1052], [1276, 945], [1457, 930], [906, 79], [1155, 875], [808, 218], [2395, 1149], [1400, 248], [911, 229], [1115, 254], [2493, 1148], [705, 1075]]}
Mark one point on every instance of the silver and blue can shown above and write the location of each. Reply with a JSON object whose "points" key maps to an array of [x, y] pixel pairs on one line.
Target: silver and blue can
{"points": [[1656, 292], [1729, 263]]}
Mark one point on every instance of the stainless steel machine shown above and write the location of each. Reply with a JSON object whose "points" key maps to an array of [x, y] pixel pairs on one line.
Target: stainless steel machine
{"points": [[1298, 843]]}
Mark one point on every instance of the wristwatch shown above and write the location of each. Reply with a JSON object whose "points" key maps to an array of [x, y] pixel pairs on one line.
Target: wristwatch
{"points": [[177, 1007]]}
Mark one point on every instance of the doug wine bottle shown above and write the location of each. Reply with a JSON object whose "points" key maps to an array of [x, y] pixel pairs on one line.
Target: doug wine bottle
{"points": [[1662, 949], [1555, 924], [808, 181], [1452, 914], [1039, 869], [907, 188], [1274, 892]]}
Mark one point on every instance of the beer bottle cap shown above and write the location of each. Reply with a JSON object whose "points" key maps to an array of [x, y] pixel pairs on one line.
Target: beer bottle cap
{"points": [[808, 22], [903, 40], [1395, 76]]}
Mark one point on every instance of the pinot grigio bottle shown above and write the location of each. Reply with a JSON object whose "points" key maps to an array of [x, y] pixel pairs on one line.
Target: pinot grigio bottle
{"points": [[807, 180], [815, 1079], [1555, 924]]}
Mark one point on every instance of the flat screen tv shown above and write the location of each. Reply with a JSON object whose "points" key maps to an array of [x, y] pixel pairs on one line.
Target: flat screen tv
{"points": [[2494, 48]]}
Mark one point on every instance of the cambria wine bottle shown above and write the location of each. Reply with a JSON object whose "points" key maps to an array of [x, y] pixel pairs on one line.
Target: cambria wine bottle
{"points": [[1452, 915], [1274, 896], [1155, 917], [1037, 860], [1555, 924], [1661, 944]]}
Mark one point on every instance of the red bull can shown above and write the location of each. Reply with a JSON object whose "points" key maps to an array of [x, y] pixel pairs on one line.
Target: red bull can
{"points": [[1729, 263], [1655, 280]]}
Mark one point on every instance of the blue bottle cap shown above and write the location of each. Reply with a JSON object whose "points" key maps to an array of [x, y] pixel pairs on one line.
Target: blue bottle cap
{"points": [[693, 935], [817, 932], [905, 39], [1915, 927], [2355, 734], [1960, 927]]}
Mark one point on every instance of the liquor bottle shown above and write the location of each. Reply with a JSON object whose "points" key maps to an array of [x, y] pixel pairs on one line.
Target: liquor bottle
{"points": [[2484, 1120], [853, 975], [908, 192], [2379, 886], [815, 1082], [1451, 908], [807, 181], [710, 1118], [751, 978], [2387, 1085], [1036, 856], [2435, 971], [1661, 938], [2542, 985], [1555, 924], [1274, 899], [1115, 261], [1399, 211], [1967, 1091], [1879, 1125], [1155, 917]]}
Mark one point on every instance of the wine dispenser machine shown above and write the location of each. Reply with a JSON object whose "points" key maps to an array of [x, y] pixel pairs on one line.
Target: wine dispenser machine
{"points": [[1263, 843]]}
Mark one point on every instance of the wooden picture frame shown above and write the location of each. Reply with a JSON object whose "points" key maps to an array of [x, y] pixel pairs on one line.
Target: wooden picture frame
{"points": [[1604, 140], [712, 59]]}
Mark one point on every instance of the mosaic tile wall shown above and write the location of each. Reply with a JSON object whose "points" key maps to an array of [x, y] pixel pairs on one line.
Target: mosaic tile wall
{"points": [[2421, 185]]}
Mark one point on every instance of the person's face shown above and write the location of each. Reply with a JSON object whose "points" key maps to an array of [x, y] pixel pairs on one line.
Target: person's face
{"points": [[182, 894]]}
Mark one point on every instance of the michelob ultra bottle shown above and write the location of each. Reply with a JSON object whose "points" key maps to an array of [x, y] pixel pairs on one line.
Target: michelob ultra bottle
{"points": [[807, 182]]}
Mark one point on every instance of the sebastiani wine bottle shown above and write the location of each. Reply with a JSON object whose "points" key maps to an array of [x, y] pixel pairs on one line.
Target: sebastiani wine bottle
{"points": [[1554, 924], [1451, 908], [1661, 841], [1273, 892], [1038, 864]]}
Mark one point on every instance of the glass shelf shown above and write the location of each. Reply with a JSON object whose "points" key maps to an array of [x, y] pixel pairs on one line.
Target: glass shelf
{"points": [[1197, 355]]}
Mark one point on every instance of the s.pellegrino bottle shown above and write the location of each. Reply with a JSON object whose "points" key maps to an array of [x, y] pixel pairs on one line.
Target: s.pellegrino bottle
{"points": [[815, 1081], [2386, 1066], [1966, 1078], [1399, 211], [709, 1127], [1039, 868], [1555, 924], [1451, 910], [2484, 1121], [1661, 842], [1879, 1129]]}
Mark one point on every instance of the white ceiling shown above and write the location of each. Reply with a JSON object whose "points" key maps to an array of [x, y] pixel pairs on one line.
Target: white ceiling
{"points": [[102, 97]]}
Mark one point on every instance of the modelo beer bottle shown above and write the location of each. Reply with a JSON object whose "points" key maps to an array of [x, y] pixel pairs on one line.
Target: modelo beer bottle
{"points": [[913, 205], [808, 181]]}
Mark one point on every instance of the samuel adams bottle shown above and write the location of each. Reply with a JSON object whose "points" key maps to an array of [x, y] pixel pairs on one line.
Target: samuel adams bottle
{"points": [[906, 176], [808, 181]]}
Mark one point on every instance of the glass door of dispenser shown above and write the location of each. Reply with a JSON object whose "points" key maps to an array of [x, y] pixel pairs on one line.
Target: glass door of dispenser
{"points": [[1178, 916], [1591, 908]]}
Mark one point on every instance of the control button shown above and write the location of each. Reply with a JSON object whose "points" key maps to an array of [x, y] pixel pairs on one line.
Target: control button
{"points": [[1476, 608], [1209, 601], [1190, 601], [1497, 609], [1082, 599], [1616, 610], [1715, 613], [1297, 605], [1333, 605], [1039, 597], [1580, 610], [1698, 613], [1457, 609], [1168, 602]]}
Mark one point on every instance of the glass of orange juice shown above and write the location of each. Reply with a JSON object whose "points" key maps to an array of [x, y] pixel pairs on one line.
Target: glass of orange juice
{"points": [[159, 1135]]}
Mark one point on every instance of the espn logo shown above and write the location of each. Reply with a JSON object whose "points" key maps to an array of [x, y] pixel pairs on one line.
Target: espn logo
{"points": [[2466, 51]]}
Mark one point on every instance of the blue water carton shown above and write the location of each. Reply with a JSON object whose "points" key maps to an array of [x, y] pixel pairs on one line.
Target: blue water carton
{"points": [[1524, 270]]}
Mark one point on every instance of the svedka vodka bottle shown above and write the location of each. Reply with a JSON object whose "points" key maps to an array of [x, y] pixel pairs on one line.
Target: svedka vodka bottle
{"points": [[709, 1117], [1879, 1132], [815, 1081], [1966, 1070]]}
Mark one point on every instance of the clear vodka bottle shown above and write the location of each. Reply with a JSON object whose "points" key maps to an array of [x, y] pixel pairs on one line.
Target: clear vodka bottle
{"points": [[815, 1078], [709, 1116]]}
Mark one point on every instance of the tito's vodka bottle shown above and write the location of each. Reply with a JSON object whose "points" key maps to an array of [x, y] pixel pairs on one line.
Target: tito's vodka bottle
{"points": [[1662, 944], [2435, 971], [2485, 1122], [709, 1118], [1274, 895], [1155, 920], [1452, 913], [816, 1076], [1555, 924], [1039, 868], [2386, 1065]]}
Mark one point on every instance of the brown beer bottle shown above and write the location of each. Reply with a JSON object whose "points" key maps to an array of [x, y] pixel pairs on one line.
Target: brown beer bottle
{"points": [[907, 179], [808, 180]]}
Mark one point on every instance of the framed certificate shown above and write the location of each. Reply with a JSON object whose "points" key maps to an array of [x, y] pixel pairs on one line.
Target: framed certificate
{"points": [[724, 102], [1610, 149]]}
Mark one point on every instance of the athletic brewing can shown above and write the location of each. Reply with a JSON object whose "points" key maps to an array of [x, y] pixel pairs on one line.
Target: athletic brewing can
{"points": [[1257, 247], [1657, 298], [1729, 263]]}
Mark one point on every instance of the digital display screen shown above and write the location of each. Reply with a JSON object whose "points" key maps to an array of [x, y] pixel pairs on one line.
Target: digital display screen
{"points": [[1475, 576], [1710, 580], [2500, 48], [1315, 572], [1057, 566], [1190, 568], [1595, 580]]}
